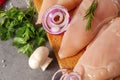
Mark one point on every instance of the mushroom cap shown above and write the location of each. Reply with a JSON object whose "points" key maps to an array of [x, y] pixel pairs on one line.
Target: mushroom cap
{"points": [[33, 63]]}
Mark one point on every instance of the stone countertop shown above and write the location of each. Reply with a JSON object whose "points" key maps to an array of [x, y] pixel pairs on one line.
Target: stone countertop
{"points": [[14, 66]]}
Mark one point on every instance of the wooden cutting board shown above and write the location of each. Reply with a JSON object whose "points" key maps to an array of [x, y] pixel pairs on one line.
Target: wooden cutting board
{"points": [[55, 42]]}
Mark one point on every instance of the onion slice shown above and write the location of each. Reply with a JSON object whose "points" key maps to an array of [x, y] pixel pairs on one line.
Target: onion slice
{"points": [[67, 76], [56, 19]]}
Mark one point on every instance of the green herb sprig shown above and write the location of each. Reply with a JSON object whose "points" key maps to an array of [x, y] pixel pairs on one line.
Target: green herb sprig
{"points": [[90, 14], [18, 24]]}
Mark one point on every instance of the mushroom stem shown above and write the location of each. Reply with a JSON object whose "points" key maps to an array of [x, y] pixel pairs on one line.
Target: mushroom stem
{"points": [[46, 63]]}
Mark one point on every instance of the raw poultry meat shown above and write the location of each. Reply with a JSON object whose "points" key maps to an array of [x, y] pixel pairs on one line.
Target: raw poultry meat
{"points": [[69, 4], [45, 5], [101, 60], [76, 37]]}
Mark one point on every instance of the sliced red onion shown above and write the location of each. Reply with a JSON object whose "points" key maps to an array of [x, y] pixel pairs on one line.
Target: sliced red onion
{"points": [[71, 76], [56, 19], [67, 76]]}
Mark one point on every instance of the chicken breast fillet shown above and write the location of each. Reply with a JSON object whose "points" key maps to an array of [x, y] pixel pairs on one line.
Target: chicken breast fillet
{"points": [[101, 60], [77, 37]]}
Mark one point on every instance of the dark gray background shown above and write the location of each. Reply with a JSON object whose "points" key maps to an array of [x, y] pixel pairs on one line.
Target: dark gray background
{"points": [[14, 66]]}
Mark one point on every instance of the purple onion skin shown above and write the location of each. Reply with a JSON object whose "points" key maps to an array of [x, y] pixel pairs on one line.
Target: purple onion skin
{"points": [[67, 76]]}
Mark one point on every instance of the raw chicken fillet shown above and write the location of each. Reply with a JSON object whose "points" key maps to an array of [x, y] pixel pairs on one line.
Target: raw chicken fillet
{"points": [[77, 37], [101, 60]]}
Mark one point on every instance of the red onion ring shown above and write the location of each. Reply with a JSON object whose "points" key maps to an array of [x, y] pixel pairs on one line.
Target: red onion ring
{"points": [[71, 76], [66, 76], [56, 19]]}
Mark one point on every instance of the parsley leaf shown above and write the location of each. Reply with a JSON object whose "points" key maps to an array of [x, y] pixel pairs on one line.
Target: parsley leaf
{"points": [[19, 25], [26, 49]]}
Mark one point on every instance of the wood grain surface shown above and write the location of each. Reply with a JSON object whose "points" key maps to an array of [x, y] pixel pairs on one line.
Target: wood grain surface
{"points": [[55, 42]]}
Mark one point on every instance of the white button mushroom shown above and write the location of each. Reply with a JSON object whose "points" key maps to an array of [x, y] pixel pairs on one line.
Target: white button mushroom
{"points": [[40, 59]]}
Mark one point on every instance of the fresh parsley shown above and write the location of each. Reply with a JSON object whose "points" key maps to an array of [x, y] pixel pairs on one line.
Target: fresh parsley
{"points": [[18, 24]]}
